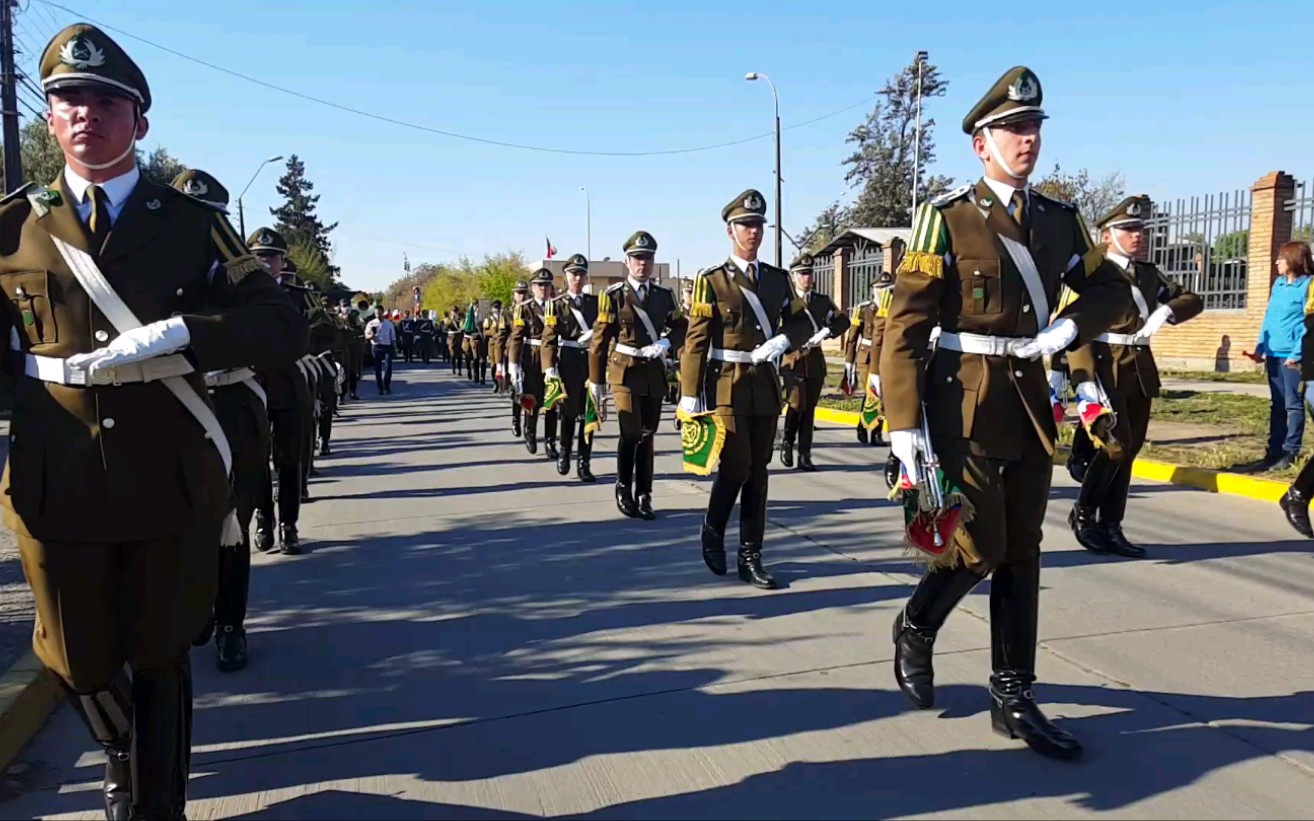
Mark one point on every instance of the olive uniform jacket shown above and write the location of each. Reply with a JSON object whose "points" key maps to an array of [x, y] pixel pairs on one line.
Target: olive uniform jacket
{"points": [[863, 348], [721, 318], [619, 321], [496, 329], [284, 384], [958, 274], [566, 345], [527, 323], [811, 364], [1130, 370], [129, 462]]}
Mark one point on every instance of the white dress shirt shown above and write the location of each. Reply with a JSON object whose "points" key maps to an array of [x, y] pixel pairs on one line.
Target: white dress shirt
{"points": [[116, 191], [1005, 193], [383, 331], [745, 265]]}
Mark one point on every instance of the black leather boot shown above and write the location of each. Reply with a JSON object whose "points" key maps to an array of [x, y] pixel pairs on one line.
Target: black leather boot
{"points": [[531, 433], [230, 648], [515, 420], [645, 507], [787, 441], [288, 540], [1117, 542], [1088, 532], [1296, 507], [805, 461], [567, 438], [585, 456], [643, 469], [264, 531], [714, 550], [107, 714], [161, 740], [625, 501], [625, 454], [1014, 612], [917, 625], [751, 569], [862, 433]]}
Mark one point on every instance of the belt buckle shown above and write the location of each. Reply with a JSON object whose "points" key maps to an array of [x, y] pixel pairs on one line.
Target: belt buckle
{"points": [[75, 375]]}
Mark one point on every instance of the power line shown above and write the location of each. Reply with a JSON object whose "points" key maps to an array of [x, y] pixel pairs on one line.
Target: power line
{"points": [[454, 135]]}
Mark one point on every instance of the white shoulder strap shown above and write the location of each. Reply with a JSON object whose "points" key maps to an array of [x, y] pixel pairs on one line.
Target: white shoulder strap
{"points": [[1026, 266]]}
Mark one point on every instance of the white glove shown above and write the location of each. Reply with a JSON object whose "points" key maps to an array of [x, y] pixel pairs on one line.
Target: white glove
{"points": [[551, 373], [851, 371], [1089, 392], [656, 350], [501, 372], [692, 405], [875, 381], [773, 348], [1050, 341], [599, 393], [817, 338], [905, 445], [1157, 320], [156, 339]]}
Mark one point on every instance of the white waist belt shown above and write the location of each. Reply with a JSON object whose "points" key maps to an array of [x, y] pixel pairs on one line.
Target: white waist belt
{"points": [[1123, 339], [534, 342], [221, 379], [742, 357], [629, 350], [864, 342], [981, 343], [55, 369], [571, 343]]}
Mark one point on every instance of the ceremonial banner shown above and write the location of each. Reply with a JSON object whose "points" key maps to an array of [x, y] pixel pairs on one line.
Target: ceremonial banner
{"points": [[527, 402], [554, 393], [871, 409], [592, 419], [932, 518], [701, 440]]}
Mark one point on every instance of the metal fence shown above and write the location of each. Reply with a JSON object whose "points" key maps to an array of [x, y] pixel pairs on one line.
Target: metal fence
{"points": [[1202, 242], [823, 275], [1301, 207], [865, 266]]}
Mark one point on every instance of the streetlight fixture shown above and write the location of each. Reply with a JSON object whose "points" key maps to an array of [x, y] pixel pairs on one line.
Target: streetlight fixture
{"points": [[920, 59], [588, 206], [754, 75], [241, 212]]}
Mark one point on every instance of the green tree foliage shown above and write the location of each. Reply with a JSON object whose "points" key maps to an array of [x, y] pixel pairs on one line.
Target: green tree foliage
{"points": [[1093, 197], [43, 161], [297, 220], [312, 266]]}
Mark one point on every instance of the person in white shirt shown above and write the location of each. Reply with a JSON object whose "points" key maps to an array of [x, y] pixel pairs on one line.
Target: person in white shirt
{"points": [[381, 333]]}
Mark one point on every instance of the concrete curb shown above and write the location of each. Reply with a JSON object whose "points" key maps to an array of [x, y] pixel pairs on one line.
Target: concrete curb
{"points": [[1214, 481], [28, 695]]}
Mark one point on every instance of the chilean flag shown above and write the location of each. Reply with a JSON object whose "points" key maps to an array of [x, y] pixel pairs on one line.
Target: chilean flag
{"points": [[551, 252]]}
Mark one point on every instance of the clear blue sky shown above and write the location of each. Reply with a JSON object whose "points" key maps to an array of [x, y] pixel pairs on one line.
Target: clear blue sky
{"points": [[1184, 98]]}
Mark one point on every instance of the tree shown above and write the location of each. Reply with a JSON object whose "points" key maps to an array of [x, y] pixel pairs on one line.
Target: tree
{"points": [[1093, 198], [881, 165], [832, 222], [312, 266], [297, 220], [43, 161], [160, 166], [400, 293]]}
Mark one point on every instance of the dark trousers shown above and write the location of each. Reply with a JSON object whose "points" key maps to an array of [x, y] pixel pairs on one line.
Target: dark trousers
{"points": [[638, 417], [1107, 482], [287, 429], [426, 348], [800, 419], [749, 441], [407, 346], [1286, 413], [571, 434], [248, 434], [383, 367]]}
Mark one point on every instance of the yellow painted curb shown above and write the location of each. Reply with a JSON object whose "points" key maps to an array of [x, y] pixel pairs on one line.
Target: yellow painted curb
{"points": [[1214, 481], [27, 697]]}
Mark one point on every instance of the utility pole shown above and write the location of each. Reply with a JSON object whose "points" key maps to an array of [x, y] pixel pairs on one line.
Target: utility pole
{"points": [[9, 98]]}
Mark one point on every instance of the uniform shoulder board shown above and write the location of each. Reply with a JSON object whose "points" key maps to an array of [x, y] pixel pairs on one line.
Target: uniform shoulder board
{"points": [[1047, 198], [616, 286], [183, 195], [862, 305], [957, 193], [18, 193]]}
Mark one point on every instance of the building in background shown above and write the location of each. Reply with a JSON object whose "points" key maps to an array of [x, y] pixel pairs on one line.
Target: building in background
{"points": [[603, 272]]}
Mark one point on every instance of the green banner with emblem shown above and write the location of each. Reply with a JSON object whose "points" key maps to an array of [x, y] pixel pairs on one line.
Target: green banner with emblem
{"points": [[592, 419], [701, 440], [554, 392], [872, 411]]}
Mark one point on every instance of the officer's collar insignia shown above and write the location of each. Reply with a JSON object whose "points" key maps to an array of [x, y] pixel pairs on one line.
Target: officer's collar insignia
{"points": [[753, 202], [153, 205], [1024, 88], [49, 196], [1134, 210], [266, 238], [195, 187], [985, 202], [81, 53]]}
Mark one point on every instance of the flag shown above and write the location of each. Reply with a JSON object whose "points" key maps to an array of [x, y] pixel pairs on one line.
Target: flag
{"points": [[527, 402], [871, 416], [701, 440], [592, 419], [551, 252], [553, 393], [931, 531]]}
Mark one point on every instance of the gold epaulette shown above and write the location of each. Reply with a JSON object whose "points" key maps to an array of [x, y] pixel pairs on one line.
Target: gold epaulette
{"points": [[700, 303], [239, 269], [604, 306], [923, 262]]}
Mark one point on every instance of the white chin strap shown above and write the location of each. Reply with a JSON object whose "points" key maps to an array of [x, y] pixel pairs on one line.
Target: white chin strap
{"points": [[1113, 237], [999, 158], [132, 144]]}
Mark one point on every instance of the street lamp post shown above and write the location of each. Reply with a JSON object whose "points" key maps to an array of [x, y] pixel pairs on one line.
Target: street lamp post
{"points": [[753, 75], [917, 133], [588, 210], [241, 212]]}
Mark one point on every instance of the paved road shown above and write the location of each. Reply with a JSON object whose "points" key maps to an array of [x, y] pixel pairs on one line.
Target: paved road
{"points": [[472, 637]]}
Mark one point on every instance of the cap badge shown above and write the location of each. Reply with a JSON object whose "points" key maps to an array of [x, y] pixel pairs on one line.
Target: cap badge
{"points": [[642, 241], [753, 202], [266, 238], [195, 187], [80, 53], [1023, 89], [153, 205], [1134, 210]]}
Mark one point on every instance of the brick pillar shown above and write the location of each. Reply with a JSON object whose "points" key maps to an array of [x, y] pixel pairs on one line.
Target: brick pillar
{"points": [[1270, 227], [892, 255], [841, 290]]}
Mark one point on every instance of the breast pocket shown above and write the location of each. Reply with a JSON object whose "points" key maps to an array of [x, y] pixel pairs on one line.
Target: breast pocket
{"points": [[982, 291], [29, 305], [731, 315]]}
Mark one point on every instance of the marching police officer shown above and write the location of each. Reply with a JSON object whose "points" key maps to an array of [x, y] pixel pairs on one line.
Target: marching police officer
{"points": [[804, 369], [565, 354], [984, 264], [495, 326], [407, 329], [645, 322], [239, 402], [1122, 362], [744, 318], [525, 364], [288, 394], [456, 338], [310, 372], [328, 344], [475, 346], [518, 296], [862, 353], [424, 335], [117, 500]]}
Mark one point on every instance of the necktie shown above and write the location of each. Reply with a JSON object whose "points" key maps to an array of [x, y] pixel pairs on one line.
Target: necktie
{"points": [[643, 293], [751, 270], [99, 223], [1019, 203]]}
